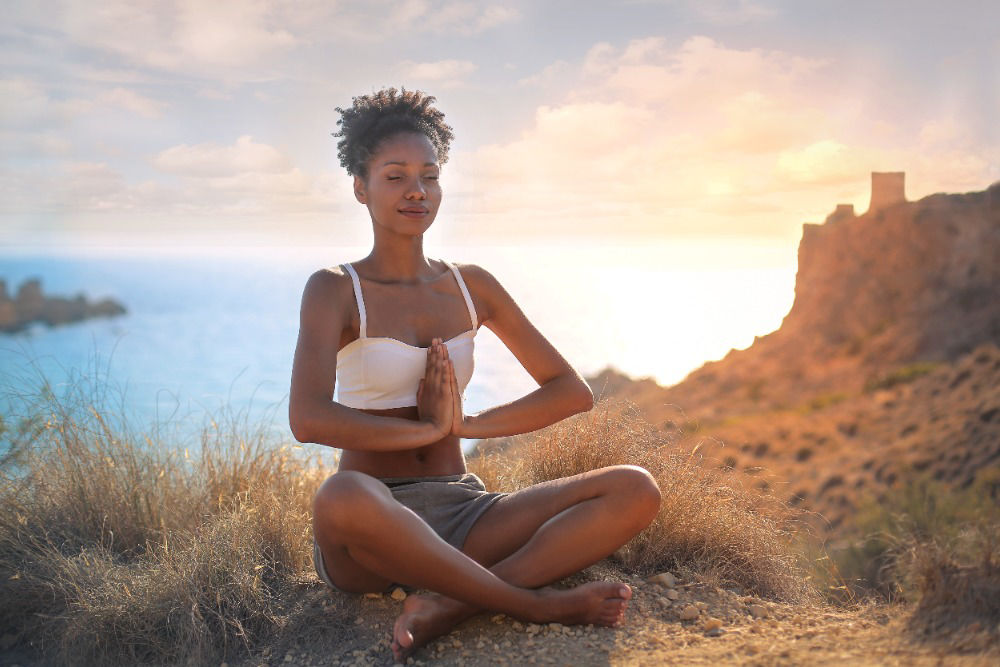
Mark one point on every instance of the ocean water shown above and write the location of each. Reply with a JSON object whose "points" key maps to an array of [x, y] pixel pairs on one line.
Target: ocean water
{"points": [[210, 331]]}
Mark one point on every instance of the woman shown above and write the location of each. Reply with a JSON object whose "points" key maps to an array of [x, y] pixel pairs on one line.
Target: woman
{"points": [[394, 334]]}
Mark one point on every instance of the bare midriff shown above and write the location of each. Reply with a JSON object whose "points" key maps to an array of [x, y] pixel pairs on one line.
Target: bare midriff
{"points": [[443, 457]]}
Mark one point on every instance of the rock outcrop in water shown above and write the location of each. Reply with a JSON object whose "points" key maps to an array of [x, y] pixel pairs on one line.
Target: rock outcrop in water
{"points": [[30, 305]]}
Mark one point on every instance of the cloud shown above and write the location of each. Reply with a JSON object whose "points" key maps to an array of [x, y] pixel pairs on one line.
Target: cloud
{"points": [[179, 35], [699, 139], [723, 12], [445, 73], [132, 101], [211, 159], [470, 18]]}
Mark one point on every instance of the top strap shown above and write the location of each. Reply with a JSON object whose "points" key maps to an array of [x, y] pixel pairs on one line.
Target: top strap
{"points": [[360, 300], [465, 293]]}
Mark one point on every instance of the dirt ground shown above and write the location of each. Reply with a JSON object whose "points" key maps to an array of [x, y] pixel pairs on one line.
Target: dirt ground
{"points": [[727, 627]]}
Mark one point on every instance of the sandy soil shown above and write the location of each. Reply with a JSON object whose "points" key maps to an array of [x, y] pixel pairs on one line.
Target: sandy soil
{"points": [[729, 628]]}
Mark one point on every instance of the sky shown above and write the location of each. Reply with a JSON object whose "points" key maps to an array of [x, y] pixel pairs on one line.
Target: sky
{"points": [[205, 124]]}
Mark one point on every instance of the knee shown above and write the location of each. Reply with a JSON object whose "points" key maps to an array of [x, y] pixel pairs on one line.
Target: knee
{"points": [[347, 498], [640, 490]]}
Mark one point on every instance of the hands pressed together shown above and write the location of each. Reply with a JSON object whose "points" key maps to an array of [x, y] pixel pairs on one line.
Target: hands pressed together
{"points": [[439, 400]]}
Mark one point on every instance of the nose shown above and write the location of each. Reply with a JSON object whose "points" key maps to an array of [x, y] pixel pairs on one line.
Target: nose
{"points": [[416, 190]]}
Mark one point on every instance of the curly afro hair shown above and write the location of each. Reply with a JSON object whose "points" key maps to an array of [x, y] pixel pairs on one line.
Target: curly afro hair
{"points": [[371, 119]]}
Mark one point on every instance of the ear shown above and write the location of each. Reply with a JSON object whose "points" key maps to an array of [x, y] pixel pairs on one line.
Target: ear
{"points": [[359, 190]]}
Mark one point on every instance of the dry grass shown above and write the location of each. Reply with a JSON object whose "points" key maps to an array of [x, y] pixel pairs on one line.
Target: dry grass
{"points": [[958, 583], [115, 547], [706, 523]]}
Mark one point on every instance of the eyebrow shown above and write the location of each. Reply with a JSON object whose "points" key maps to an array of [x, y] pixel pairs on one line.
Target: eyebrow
{"points": [[403, 164]]}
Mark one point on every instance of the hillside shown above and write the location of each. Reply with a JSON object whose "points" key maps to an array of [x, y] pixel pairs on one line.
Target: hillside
{"points": [[886, 367]]}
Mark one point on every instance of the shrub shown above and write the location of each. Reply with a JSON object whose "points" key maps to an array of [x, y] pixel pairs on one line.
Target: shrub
{"points": [[898, 539]]}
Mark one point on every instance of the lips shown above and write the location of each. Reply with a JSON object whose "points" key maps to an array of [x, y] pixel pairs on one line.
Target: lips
{"points": [[414, 211]]}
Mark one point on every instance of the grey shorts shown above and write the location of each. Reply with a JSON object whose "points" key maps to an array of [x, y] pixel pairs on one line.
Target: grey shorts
{"points": [[449, 504]]}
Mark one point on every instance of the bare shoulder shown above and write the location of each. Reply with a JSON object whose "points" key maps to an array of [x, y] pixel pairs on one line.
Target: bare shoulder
{"points": [[326, 290], [485, 289], [475, 275]]}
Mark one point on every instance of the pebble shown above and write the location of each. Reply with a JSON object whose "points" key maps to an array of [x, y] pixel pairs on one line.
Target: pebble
{"points": [[373, 596], [701, 605], [689, 613], [712, 623], [664, 579], [498, 618], [664, 601], [398, 594], [715, 632], [673, 594], [758, 611]]}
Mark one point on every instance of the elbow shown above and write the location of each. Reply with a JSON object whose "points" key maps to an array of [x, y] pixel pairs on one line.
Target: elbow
{"points": [[584, 398], [300, 425]]}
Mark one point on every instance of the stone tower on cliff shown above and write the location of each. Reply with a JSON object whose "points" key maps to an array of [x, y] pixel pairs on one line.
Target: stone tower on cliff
{"points": [[887, 189]]}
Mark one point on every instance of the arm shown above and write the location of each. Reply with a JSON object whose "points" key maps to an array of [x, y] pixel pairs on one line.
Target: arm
{"points": [[312, 413], [561, 391]]}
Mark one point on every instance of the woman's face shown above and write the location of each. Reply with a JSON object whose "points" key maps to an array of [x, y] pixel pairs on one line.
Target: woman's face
{"points": [[402, 192]]}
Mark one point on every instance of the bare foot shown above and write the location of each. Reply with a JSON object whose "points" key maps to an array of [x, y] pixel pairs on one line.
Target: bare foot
{"points": [[597, 603], [424, 618]]}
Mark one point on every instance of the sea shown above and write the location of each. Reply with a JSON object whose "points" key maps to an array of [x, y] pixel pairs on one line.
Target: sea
{"points": [[211, 332]]}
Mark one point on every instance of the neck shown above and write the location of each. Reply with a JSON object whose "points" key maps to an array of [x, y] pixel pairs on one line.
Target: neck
{"points": [[397, 258]]}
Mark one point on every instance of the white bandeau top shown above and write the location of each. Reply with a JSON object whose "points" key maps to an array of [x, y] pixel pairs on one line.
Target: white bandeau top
{"points": [[380, 372]]}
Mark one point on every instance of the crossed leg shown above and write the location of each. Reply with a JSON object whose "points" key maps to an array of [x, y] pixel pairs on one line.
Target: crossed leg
{"points": [[528, 539]]}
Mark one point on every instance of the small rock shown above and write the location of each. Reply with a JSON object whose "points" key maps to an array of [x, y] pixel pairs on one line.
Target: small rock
{"points": [[715, 632], [673, 594], [689, 613], [373, 596], [701, 605], [289, 657], [757, 610], [712, 624], [664, 601], [398, 594], [664, 579]]}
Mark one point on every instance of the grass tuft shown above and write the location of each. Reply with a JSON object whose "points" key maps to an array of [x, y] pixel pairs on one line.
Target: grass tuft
{"points": [[706, 523], [116, 548]]}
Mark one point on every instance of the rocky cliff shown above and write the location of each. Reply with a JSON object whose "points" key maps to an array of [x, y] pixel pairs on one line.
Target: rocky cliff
{"points": [[911, 282], [887, 364]]}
